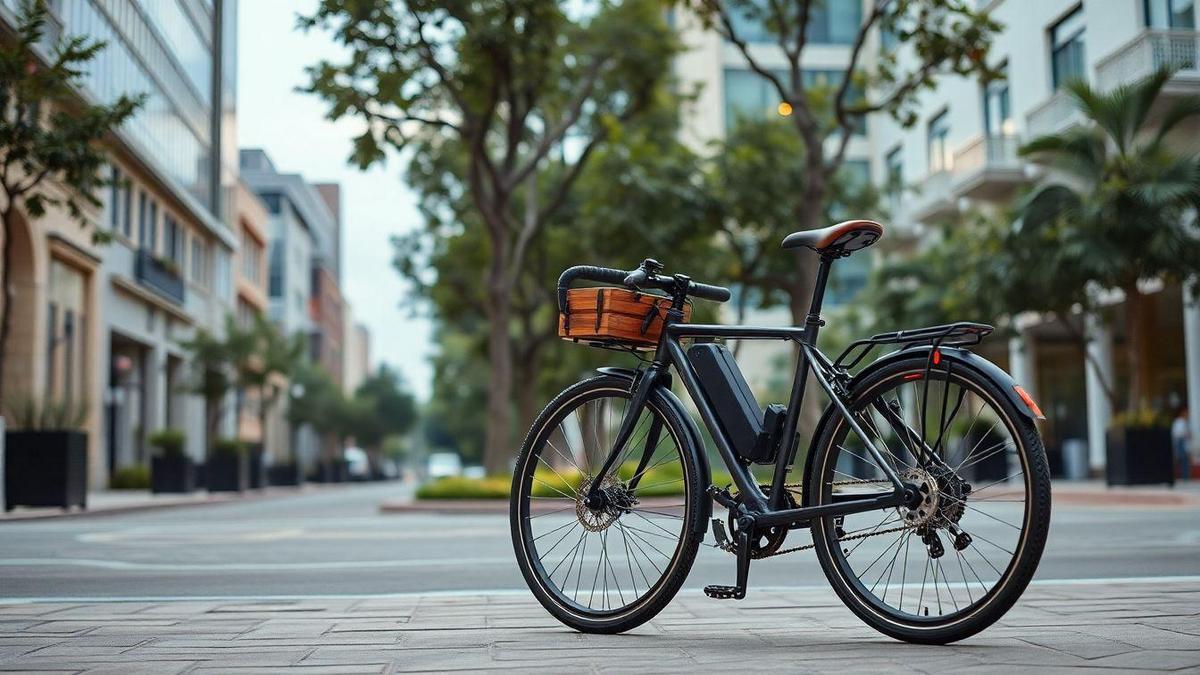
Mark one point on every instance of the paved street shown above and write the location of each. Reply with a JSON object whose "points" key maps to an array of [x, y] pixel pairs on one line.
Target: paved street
{"points": [[322, 580], [1122, 626], [336, 542]]}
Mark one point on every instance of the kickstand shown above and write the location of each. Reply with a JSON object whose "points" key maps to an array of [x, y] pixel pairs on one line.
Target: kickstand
{"points": [[741, 547]]}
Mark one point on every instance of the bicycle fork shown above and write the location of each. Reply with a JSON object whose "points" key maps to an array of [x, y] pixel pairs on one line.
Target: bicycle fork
{"points": [[642, 387]]}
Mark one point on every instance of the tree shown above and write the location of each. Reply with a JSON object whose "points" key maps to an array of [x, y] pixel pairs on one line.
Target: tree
{"points": [[934, 37], [49, 137], [1119, 204], [530, 90], [265, 364], [387, 408], [212, 362], [753, 179]]}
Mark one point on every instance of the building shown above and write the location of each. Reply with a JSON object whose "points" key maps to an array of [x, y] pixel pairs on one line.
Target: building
{"points": [[108, 320], [728, 90], [304, 294], [357, 363], [962, 154]]}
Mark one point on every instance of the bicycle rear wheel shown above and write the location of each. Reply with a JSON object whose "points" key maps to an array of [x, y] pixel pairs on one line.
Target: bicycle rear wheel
{"points": [[954, 564], [611, 568]]}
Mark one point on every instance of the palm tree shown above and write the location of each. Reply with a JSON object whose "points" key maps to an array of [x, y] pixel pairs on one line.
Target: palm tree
{"points": [[266, 363], [1119, 202]]}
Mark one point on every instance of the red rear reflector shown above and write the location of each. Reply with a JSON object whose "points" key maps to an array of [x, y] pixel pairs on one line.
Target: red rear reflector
{"points": [[1033, 406], [937, 356], [913, 376]]}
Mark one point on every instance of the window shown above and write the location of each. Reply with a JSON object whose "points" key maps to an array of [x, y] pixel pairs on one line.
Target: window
{"points": [[65, 332], [1171, 14], [143, 219], [1066, 49], [829, 21], [272, 201], [749, 96], [172, 239], [275, 270], [938, 147], [222, 282], [199, 268], [116, 199], [251, 258], [997, 114], [893, 178]]}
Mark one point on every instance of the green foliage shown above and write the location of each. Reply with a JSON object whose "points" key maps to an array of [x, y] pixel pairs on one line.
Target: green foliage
{"points": [[456, 487], [169, 441], [35, 413], [135, 477], [228, 447], [382, 406]]}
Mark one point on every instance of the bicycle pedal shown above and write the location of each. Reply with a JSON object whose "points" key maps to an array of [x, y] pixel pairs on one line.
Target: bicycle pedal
{"points": [[719, 592]]}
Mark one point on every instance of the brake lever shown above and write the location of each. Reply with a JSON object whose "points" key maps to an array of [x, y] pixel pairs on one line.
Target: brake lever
{"points": [[648, 269]]}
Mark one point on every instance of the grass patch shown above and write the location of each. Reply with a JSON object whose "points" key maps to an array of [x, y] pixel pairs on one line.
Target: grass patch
{"points": [[457, 487], [661, 481]]}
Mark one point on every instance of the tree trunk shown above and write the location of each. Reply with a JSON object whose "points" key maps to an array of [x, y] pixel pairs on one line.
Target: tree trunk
{"points": [[9, 219], [497, 449], [527, 393], [1134, 345]]}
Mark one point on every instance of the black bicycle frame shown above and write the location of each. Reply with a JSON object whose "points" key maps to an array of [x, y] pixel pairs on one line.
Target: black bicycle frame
{"points": [[767, 509]]}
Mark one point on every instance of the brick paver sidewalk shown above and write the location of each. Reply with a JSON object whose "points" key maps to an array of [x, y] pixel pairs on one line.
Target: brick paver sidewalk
{"points": [[1126, 626]]}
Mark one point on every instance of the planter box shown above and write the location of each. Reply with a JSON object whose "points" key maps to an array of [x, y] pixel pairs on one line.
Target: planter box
{"points": [[283, 474], [982, 467], [45, 468], [172, 473], [226, 473], [256, 477], [1139, 456]]}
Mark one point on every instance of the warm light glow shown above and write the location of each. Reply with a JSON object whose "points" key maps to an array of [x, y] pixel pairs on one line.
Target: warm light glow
{"points": [[1009, 127], [784, 109]]}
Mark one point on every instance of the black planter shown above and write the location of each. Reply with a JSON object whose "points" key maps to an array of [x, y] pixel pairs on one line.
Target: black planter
{"points": [[172, 473], [283, 474], [1139, 456], [256, 476], [333, 471], [226, 473], [45, 468], [200, 475]]}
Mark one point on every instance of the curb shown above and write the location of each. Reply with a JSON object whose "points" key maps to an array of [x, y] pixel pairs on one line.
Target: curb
{"points": [[210, 499]]}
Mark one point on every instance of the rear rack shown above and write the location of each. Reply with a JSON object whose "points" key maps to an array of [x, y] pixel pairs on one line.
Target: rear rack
{"points": [[959, 334]]}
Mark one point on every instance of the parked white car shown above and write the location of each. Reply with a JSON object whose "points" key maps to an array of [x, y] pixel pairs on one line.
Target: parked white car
{"points": [[444, 464]]}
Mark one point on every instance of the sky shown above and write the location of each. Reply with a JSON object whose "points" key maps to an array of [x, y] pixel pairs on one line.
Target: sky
{"points": [[292, 128]]}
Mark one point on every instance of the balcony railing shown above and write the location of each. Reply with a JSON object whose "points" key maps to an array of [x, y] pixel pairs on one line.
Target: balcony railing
{"points": [[1054, 115], [1150, 50], [987, 166], [932, 198], [157, 276]]}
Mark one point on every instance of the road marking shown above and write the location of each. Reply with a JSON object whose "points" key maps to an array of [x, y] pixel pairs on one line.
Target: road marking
{"points": [[1106, 581], [249, 567]]}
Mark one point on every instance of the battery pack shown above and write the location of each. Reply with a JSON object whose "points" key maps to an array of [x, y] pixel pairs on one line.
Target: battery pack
{"points": [[753, 435]]}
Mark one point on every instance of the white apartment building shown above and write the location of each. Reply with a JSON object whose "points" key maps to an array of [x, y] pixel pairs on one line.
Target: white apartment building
{"points": [[963, 154]]}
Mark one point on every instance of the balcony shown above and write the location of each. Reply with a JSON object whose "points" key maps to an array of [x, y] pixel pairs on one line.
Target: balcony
{"points": [[158, 276], [1150, 50], [932, 200], [988, 168], [1055, 115]]}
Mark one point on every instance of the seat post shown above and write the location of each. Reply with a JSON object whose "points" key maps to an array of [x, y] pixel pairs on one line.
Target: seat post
{"points": [[812, 322]]}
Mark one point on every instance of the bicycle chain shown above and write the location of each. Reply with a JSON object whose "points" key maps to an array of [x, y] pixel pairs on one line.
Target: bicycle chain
{"points": [[796, 488]]}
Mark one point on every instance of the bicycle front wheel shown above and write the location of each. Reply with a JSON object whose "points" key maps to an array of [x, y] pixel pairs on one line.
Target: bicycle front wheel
{"points": [[952, 565], [609, 567]]}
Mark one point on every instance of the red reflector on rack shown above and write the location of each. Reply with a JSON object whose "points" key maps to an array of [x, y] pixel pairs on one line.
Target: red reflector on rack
{"points": [[937, 356], [913, 376]]}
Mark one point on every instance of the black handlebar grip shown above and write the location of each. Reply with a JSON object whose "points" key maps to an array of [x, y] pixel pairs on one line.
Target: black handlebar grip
{"points": [[707, 292], [602, 275]]}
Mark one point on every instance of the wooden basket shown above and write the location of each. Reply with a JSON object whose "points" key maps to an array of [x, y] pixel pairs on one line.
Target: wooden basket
{"points": [[615, 316]]}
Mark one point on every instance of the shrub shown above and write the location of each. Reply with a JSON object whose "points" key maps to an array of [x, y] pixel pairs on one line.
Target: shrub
{"points": [[32, 413], [136, 477], [1142, 418], [457, 487], [228, 447], [169, 441]]}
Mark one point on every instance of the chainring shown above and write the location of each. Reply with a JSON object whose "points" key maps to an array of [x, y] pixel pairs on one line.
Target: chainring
{"points": [[769, 540]]}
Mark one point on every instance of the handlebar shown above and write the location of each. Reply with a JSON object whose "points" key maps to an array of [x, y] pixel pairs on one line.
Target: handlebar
{"points": [[645, 276]]}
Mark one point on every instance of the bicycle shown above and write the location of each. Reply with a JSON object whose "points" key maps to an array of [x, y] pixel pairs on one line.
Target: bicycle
{"points": [[927, 450]]}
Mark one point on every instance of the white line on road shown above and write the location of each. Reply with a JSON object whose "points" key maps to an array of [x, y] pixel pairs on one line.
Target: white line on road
{"points": [[248, 567], [1106, 581]]}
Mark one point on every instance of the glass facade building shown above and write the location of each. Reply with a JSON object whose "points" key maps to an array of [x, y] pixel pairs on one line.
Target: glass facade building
{"points": [[163, 49]]}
